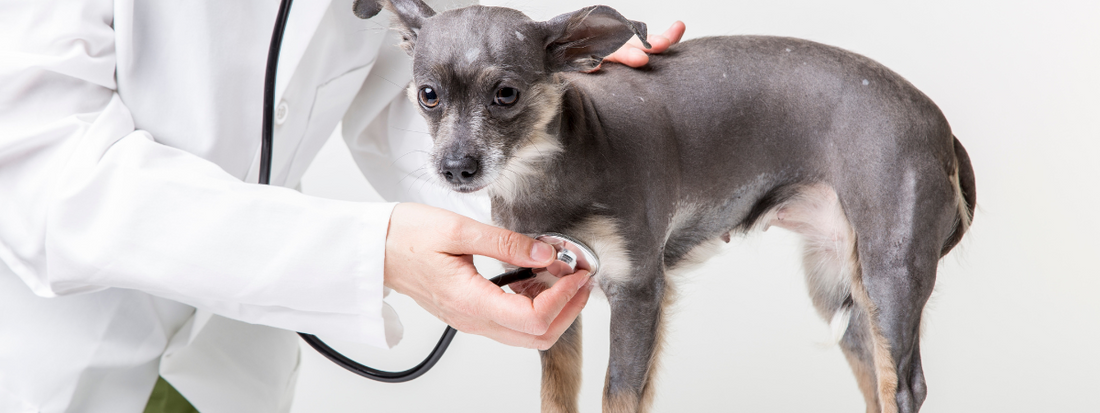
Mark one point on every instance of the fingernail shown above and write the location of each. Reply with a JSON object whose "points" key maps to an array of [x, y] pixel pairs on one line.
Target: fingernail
{"points": [[541, 251]]}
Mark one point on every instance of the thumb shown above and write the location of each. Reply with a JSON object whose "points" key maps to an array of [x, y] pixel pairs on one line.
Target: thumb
{"points": [[504, 245]]}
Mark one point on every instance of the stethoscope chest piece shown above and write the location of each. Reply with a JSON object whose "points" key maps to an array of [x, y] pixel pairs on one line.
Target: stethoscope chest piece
{"points": [[572, 255]]}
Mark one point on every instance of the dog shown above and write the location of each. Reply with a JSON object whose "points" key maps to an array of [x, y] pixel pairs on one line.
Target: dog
{"points": [[654, 167]]}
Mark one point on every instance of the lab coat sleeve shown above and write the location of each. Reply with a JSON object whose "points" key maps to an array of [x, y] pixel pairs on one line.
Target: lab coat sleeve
{"points": [[87, 202], [389, 139]]}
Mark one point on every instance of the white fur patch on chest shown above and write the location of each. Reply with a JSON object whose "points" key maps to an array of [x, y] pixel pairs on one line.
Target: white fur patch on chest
{"points": [[602, 235]]}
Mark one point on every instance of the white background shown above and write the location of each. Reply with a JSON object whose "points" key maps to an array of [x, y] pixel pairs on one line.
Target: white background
{"points": [[1014, 323]]}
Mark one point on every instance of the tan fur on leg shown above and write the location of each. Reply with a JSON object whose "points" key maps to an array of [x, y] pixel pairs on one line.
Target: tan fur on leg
{"points": [[865, 377], [561, 372], [863, 366], [885, 371], [620, 403]]}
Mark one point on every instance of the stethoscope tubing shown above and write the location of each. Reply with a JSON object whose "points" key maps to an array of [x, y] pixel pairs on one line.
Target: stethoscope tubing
{"points": [[269, 91], [425, 365]]}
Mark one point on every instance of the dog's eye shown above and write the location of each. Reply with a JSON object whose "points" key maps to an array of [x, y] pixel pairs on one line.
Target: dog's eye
{"points": [[506, 96], [428, 98]]}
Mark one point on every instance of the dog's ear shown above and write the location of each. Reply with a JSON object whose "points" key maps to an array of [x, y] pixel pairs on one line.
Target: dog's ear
{"points": [[411, 15], [365, 9], [579, 41]]}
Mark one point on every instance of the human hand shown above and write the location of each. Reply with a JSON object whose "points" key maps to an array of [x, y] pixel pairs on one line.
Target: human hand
{"points": [[429, 257], [633, 54]]}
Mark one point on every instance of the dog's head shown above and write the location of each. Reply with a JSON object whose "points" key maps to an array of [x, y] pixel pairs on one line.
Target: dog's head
{"points": [[483, 79]]}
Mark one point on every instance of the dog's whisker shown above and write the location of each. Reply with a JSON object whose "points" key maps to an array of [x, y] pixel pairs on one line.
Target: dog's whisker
{"points": [[392, 82], [412, 152], [410, 130], [419, 171]]}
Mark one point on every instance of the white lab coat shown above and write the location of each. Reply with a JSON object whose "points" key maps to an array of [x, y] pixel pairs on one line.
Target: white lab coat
{"points": [[129, 148]]}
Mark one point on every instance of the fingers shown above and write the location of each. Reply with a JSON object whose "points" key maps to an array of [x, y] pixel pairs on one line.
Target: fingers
{"points": [[429, 258], [536, 316], [542, 341], [629, 55], [567, 316], [675, 32], [550, 303], [634, 54], [660, 42], [420, 226], [475, 238]]}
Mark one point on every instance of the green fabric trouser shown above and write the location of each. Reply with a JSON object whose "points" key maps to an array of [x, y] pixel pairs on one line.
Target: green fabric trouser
{"points": [[165, 399]]}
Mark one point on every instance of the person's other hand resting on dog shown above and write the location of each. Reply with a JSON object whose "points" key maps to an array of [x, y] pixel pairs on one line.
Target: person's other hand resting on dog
{"points": [[429, 257]]}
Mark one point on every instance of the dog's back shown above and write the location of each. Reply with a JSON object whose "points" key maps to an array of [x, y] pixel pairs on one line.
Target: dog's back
{"points": [[753, 117]]}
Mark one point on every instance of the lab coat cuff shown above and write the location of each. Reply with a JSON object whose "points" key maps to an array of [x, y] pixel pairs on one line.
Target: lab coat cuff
{"points": [[386, 330]]}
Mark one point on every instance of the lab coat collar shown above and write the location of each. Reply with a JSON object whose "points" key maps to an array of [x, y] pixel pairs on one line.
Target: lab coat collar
{"points": [[304, 17]]}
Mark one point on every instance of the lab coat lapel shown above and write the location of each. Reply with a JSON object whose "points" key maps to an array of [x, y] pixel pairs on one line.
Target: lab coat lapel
{"points": [[304, 17]]}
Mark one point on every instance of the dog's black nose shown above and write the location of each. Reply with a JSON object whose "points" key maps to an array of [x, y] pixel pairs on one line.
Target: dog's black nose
{"points": [[459, 170]]}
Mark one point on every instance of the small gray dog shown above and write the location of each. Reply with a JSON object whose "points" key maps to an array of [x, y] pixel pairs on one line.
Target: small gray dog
{"points": [[653, 167]]}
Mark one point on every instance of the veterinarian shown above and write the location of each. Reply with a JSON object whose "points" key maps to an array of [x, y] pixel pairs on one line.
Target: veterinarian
{"points": [[134, 241]]}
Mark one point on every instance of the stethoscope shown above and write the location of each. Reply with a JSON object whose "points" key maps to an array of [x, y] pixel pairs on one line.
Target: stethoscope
{"points": [[571, 253]]}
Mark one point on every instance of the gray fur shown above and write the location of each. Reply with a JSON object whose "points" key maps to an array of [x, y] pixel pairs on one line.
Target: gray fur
{"points": [[365, 9], [738, 128]]}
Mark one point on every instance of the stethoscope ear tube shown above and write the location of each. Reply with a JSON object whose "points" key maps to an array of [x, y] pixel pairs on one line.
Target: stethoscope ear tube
{"points": [[269, 91]]}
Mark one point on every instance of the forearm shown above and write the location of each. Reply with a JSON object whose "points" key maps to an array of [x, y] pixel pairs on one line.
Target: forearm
{"points": [[144, 216], [89, 202]]}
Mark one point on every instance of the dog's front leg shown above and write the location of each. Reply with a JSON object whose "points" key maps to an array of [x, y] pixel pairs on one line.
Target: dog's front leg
{"points": [[561, 372], [637, 312]]}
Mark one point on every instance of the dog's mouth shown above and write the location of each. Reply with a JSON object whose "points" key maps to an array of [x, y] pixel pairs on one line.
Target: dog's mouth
{"points": [[466, 189]]}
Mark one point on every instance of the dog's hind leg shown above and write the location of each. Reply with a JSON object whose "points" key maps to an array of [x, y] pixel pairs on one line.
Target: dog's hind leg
{"points": [[885, 334], [561, 372], [831, 263], [871, 277], [830, 270], [637, 312], [900, 237]]}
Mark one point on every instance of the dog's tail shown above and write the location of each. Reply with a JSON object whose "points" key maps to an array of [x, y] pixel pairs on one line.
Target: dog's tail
{"points": [[965, 194]]}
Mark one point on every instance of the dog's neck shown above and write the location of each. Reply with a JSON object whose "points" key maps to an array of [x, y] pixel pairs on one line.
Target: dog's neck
{"points": [[558, 179]]}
